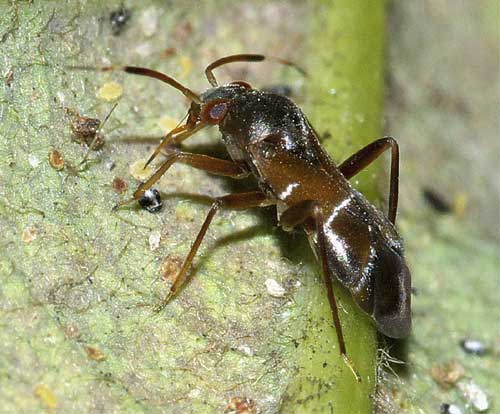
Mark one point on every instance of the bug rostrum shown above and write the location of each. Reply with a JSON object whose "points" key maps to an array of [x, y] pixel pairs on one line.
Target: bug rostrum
{"points": [[268, 137]]}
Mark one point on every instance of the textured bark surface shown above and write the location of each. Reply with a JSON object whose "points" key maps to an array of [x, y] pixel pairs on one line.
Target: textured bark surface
{"points": [[79, 283]]}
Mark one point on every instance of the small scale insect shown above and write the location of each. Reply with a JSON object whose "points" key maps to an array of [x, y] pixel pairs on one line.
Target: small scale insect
{"points": [[56, 160], [268, 137]]}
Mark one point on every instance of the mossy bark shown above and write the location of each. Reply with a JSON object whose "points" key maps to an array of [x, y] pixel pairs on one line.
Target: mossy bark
{"points": [[79, 283]]}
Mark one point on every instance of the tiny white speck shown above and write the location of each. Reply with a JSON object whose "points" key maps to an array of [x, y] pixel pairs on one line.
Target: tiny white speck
{"points": [[149, 21], [60, 97], [283, 195], [144, 49], [333, 91], [274, 288], [110, 164], [34, 161], [360, 118], [194, 393], [50, 339], [154, 240], [245, 349], [474, 395]]}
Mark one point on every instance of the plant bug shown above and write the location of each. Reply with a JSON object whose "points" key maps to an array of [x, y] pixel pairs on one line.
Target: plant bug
{"points": [[268, 137]]}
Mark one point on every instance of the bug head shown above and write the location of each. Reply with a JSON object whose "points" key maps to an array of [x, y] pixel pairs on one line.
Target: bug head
{"points": [[215, 102]]}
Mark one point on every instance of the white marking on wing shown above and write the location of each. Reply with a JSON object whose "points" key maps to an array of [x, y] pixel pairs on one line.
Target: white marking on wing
{"points": [[285, 194], [338, 244]]}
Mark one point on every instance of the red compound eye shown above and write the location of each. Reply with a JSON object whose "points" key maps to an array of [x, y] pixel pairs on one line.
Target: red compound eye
{"points": [[218, 111], [214, 112]]}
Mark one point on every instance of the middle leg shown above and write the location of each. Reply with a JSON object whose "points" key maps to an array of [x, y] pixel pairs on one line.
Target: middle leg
{"points": [[177, 135], [206, 163], [365, 156], [240, 201]]}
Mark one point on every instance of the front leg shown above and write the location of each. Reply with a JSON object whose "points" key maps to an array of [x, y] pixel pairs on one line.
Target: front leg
{"points": [[176, 135], [302, 213], [206, 163], [239, 201]]}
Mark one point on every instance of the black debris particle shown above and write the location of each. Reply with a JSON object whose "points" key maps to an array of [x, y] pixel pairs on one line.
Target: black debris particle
{"points": [[446, 408], [118, 20], [436, 201], [151, 201]]}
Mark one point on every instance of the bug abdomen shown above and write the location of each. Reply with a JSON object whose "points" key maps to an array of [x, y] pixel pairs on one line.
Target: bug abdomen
{"points": [[366, 256]]}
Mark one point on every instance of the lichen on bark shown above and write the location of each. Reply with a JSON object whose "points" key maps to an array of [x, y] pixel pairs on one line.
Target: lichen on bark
{"points": [[79, 282]]}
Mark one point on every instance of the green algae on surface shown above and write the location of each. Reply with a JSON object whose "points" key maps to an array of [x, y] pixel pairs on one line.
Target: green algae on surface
{"points": [[345, 107], [75, 275]]}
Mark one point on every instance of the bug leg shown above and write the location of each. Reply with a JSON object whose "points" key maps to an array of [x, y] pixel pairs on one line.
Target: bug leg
{"points": [[239, 201], [365, 156], [97, 135], [177, 135], [301, 213], [209, 164]]}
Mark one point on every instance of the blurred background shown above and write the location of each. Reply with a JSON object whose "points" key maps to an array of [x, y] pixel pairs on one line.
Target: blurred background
{"points": [[442, 105]]}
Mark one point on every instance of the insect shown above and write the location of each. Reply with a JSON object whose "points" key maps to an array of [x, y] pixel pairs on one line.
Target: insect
{"points": [[268, 137], [85, 128], [88, 130]]}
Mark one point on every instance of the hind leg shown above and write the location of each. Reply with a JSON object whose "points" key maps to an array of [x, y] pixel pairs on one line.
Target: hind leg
{"points": [[365, 156], [300, 214]]}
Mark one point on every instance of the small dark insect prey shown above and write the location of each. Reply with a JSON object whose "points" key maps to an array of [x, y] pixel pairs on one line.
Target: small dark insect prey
{"points": [[118, 19], [151, 200], [86, 129], [268, 137], [84, 126]]}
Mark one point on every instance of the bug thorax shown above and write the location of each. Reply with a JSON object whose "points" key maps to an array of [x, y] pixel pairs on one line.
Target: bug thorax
{"points": [[257, 124]]}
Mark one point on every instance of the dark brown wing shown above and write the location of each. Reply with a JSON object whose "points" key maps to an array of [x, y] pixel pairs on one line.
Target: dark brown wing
{"points": [[365, 253]]}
